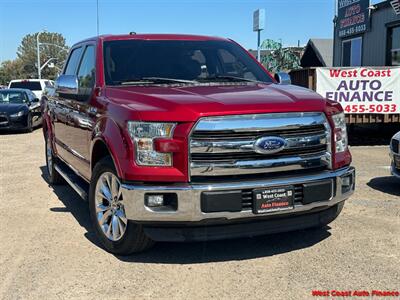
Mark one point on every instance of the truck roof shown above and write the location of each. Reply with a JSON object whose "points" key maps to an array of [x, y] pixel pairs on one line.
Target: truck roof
{"points": [[154, 37]]}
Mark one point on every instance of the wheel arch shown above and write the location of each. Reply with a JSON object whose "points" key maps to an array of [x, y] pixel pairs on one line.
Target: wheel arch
{"points": [[107, 140]]}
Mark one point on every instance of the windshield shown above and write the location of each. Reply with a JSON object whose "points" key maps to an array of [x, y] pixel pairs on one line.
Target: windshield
{"points": [[138, 61], [30, 85], [12, 97]]}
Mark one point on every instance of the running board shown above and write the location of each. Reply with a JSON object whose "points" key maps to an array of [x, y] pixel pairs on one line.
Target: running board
{"points": [[73, 180]]}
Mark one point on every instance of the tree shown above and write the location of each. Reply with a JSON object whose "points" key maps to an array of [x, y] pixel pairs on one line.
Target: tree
{"points": [[52, 46], [279, 58], [11, 69]]}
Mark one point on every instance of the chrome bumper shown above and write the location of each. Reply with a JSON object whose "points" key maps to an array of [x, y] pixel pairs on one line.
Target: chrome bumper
{"points": [[189, 206]]}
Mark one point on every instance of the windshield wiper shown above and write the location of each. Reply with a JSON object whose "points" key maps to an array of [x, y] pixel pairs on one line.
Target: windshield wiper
{"points": [[154, 80], [230, 78]]}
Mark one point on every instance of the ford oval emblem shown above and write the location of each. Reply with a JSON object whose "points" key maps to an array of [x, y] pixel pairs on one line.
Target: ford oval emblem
{"points": [[269, 145]]}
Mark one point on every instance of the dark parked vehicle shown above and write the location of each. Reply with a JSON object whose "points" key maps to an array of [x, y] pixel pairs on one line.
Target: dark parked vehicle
{"points": [[19, 109]]}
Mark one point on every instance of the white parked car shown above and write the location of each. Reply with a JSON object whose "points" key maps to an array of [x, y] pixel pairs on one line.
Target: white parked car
{"points": [[395, 154], [37, 86]]}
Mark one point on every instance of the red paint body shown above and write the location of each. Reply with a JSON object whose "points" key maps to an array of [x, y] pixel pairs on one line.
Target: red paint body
{"points": [[185, 105]]}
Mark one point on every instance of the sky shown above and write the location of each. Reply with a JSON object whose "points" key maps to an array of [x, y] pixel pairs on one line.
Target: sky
{"points": [[289, 20]]}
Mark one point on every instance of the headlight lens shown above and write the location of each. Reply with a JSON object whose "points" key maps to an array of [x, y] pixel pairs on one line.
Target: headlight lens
{"points": [[18, 114], [143, 135], [340, 132]]}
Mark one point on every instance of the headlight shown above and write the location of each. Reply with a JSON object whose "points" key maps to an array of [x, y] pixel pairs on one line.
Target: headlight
{"points": [[340, 132], [143, 135], [18, 114]]}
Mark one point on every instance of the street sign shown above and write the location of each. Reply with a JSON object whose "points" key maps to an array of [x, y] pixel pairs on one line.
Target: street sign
{"points": [[353, 17], [259, 20]]}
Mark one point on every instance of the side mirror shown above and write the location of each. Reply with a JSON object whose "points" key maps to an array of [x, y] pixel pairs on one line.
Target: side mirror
{"points": [[35, 100], [283, 78], [67, 85]]}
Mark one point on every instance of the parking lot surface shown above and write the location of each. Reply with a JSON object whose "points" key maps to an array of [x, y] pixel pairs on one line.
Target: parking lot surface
{"points": [[48, 248]]}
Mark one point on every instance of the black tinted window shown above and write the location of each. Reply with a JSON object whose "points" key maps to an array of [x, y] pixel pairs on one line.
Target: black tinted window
{"points": [[86, 69], [30, 85], [73, 62], [189, 60]]}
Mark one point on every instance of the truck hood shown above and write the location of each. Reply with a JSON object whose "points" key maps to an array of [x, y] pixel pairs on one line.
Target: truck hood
{"points": [[188, 103]]}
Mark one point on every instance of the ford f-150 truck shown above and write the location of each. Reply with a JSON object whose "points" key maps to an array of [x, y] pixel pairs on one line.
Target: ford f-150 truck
{"points": [[189, 138]]}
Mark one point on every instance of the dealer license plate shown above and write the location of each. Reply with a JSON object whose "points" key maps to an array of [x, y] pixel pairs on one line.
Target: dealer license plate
{"points": [[273, 199]]}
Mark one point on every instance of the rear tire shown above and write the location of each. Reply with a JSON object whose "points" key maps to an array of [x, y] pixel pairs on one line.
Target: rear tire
{"points": [[53, 176], [107, 213]]}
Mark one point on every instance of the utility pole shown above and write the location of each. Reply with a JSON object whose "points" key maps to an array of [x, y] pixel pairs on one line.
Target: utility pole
{"points": [[38, 54], [258, 26]]}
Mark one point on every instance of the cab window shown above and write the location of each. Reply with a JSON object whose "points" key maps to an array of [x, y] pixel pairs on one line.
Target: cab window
{"points": [[73, 61], [86, 68]]}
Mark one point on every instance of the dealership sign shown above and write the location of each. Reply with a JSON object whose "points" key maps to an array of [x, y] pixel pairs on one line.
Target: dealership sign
{"points": [[353, 17], [362, 90]]}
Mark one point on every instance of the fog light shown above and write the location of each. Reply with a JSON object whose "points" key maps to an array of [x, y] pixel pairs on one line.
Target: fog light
{"points": [[347, 183], [154, 200]]}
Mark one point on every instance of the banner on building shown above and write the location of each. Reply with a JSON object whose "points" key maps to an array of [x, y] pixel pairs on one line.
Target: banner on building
{"points": [[362, 90]]}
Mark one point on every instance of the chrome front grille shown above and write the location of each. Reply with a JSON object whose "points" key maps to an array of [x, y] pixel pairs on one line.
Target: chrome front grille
{"points": [[224, 146]]}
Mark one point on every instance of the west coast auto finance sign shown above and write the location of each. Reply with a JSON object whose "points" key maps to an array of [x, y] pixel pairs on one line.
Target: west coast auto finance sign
{"points": [[352, 17], [362, 90]]}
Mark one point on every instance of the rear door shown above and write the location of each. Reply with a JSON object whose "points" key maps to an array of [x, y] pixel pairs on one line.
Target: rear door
{"points": [[77, 123]]}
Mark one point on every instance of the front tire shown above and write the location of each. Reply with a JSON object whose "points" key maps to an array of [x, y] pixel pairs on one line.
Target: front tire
{"points": [[29, 124], [117, 234]]}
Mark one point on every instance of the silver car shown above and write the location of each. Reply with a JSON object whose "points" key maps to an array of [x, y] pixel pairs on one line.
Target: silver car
{"points": [[395, 154]]}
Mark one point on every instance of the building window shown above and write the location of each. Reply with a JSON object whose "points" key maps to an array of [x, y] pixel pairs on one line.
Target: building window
{"points": [[352, 52], [394, 46]]}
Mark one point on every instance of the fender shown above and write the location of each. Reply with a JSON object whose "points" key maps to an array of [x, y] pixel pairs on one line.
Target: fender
{"points": [[108, 132]]}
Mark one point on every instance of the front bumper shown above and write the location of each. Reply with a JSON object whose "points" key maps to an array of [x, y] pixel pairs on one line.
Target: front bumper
{"points": [[189, 204], [13, 123]]}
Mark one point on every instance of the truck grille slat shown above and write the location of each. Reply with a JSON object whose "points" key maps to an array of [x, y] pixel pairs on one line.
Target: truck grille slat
{"points": [[226, 134], [252, 155]]}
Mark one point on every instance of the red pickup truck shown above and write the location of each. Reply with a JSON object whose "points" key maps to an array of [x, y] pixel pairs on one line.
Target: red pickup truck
{"points": [[189, 138]]}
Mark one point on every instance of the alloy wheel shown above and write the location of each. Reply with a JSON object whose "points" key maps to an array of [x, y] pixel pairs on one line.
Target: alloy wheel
{"points": [[110, 211]]}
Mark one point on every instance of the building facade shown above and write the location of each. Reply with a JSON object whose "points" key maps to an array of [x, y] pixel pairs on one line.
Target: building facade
{"points": [[367, 35]]}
